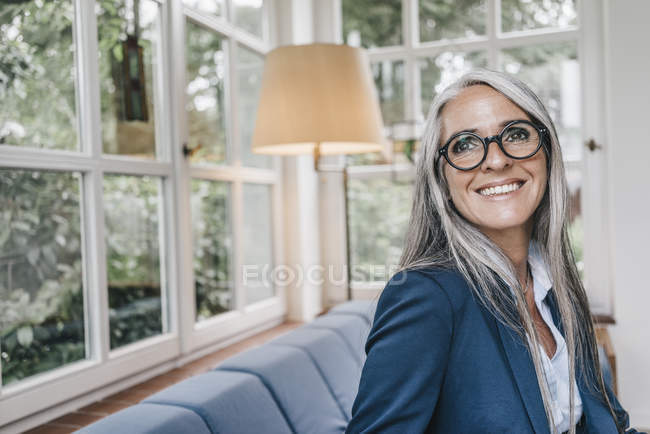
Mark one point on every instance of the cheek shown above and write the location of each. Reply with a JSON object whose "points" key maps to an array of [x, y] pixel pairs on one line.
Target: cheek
{"points": [[457, 184]]}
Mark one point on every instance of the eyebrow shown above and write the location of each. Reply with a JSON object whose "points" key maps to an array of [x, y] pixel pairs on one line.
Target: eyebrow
{"points": [[474, 130]]}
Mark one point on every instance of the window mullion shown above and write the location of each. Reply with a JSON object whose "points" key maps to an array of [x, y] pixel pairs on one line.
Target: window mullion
{"points": [[409, 19], [95, 266], [89, 113], [182, 300], [89, 116], [493, 30]]}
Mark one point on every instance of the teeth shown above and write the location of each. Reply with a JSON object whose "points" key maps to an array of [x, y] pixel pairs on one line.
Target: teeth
{"points": [[500, 189]]}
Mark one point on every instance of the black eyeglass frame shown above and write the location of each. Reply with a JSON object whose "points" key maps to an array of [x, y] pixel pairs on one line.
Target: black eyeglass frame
{"points": [[486, 143]]}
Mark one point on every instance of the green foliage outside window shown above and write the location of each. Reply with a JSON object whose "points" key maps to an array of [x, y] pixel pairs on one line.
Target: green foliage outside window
{"points": [[378, 213], [37, 74], [41, 297], [212, 242]]}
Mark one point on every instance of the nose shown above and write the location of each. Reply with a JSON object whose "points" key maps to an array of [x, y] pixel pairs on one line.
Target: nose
{"points": [[495, 158]]}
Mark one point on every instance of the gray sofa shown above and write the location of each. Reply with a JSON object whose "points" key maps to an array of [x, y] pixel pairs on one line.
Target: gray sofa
{"points": [[304, 381]]}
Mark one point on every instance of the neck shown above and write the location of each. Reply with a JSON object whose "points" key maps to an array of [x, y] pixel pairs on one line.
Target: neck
{"points": [[514, 243]]}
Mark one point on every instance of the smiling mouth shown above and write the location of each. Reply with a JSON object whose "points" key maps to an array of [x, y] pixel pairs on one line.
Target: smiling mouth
{"points": [[501, 189]]}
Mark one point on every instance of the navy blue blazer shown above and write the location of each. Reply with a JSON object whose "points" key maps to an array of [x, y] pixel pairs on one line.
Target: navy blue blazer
{"points": [[439, 362]]}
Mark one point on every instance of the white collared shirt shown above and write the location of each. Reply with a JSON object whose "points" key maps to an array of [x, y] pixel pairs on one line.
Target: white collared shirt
{"points": [[556, 368]]}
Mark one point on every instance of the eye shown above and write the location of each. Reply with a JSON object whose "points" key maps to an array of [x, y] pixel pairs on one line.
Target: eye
{"points": [[517, 134], [464, 144]]}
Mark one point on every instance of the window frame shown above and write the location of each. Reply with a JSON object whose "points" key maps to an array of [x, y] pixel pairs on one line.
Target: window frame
{"points": [[44, 396]]}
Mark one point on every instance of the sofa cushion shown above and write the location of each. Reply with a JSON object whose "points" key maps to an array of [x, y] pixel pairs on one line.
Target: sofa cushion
{"points": [[352, 328], [295, 383], [363, 308], [146, 418], [331, 355], [229, 402]]}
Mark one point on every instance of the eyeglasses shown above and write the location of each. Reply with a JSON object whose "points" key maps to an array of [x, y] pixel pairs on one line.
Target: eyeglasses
{"points": [[519, 139]]}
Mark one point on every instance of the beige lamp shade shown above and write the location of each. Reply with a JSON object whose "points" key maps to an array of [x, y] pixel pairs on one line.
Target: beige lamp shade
{"points": [[318, 96]]}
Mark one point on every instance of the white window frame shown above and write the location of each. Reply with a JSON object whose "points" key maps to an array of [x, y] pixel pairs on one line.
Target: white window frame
{"points": [[203, 335], [587, 35], [45, 396]]}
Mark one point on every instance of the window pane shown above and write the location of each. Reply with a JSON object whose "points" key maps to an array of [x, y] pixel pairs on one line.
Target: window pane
{"points": [[378, 214], [250, 67], [126, 69], [206, 66], [215, 7], [37, 74], [372, 23], [249, 16], [527, 14], [553, 72], [132, 209], [212, 239], [41, 296], [389, 80], [451, 19], [258, 246], [438, 72]]}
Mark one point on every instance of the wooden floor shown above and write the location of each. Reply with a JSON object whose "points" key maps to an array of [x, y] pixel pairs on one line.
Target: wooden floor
{"points": [[91, 413]]}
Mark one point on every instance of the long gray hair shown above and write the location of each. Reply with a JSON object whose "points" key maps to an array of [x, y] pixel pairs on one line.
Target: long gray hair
{"points": [[439, 236]]}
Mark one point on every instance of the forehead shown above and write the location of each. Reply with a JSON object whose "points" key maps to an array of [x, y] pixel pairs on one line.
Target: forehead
{"points": [[478, 107]]}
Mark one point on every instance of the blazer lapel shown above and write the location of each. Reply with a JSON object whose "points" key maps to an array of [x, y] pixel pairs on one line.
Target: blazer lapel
{"points": [[523, 371], [597, 416]]}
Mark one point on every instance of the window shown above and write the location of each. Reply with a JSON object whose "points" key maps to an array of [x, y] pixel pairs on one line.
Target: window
{"points": [[41, 283], [118, 252], [423, 45], [231, 188]]}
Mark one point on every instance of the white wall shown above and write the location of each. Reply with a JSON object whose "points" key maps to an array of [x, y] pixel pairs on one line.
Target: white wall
{"points": [[627, 59]]}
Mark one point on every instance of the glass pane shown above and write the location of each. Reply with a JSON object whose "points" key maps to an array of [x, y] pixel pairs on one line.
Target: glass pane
{"points": [[389, 80], [132, 209], [41, 296], [372, 23], [212, 239], [258, 246], [553, 72], [249, 15], [527, 14], [250, 67], [127, 47], [438, 72], [451, 19], [378, 213], [206, 112], [215, 7], [37, 74]]}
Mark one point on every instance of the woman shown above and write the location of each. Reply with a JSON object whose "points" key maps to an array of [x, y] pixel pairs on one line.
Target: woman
{"points": [[486, 327]]}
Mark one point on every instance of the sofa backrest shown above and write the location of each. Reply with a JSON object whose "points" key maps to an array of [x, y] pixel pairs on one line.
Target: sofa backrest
{"points": [[304, 381], [296, 384], [146, 418], [245, 400], [351, 327], [340, 370]]}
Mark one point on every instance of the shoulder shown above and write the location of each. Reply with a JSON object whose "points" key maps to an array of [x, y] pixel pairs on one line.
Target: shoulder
{"points": [[421, 298], [429, 286]]}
